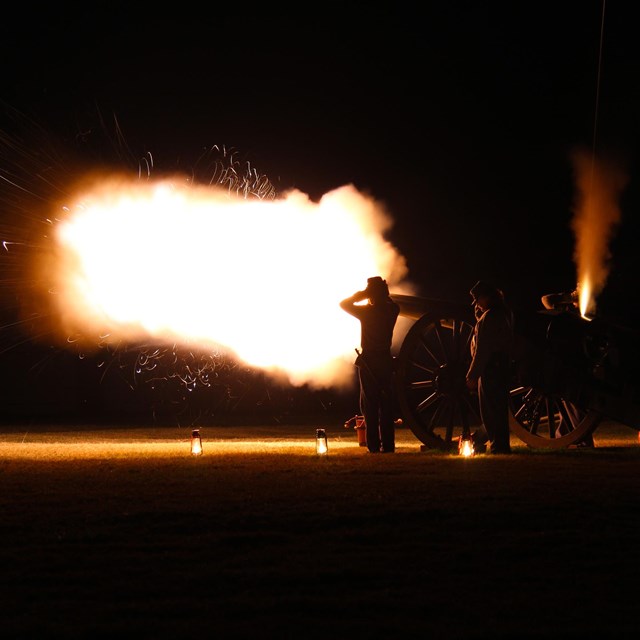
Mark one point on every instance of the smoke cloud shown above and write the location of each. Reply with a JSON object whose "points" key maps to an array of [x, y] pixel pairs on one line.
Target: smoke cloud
{"points": [[599, 183]]}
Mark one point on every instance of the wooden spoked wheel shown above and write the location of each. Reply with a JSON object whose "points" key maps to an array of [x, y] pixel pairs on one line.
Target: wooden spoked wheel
{"points": [[430, 381], [546, 420]]}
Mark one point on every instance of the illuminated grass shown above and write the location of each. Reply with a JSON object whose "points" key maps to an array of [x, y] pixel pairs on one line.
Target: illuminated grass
{"points": [[44, 444], [107, 532]]}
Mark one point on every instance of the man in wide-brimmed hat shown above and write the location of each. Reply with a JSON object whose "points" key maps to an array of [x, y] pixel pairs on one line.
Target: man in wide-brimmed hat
{"points": [[375, 362]]}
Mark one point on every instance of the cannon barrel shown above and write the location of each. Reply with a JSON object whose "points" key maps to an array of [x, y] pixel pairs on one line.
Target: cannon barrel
{"points": [[415, 307]]}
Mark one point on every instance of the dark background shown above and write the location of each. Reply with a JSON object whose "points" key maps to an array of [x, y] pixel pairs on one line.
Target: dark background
{"points": [[461, 116]]}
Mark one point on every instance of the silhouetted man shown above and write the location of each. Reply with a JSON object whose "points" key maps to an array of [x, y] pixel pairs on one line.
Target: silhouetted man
{"points": [[375, 362], [490, 362]]}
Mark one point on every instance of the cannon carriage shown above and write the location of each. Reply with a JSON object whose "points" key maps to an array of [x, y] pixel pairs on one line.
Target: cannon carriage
{"points": [[568, 374]]}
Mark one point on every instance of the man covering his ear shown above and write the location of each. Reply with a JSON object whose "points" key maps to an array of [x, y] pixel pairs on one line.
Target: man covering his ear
{"points": [[375, 362]]}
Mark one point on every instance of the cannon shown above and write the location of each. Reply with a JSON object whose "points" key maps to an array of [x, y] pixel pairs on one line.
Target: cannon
{"points": [[568, 373]]}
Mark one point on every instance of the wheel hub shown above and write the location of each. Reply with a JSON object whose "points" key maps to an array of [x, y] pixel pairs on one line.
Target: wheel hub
{"points": [[450, 380]]}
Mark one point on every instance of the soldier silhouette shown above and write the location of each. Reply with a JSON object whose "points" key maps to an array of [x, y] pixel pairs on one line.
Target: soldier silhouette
{"points": [[375, 362]]}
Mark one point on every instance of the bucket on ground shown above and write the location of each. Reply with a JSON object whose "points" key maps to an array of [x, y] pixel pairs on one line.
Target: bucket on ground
{"points": [[358, 423]]}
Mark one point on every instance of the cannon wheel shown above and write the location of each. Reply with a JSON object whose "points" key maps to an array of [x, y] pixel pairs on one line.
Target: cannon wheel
{"points": [[548, 421], [430, 380], [436, 405]]}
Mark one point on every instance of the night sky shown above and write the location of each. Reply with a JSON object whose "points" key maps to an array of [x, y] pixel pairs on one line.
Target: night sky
{"points": [[460, 116]]}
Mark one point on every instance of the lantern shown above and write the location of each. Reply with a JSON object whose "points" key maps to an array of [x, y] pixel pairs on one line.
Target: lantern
{"points": [[321, 442], [196, 443], [465, 446]]}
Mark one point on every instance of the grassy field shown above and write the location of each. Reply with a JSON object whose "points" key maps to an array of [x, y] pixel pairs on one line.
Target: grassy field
{"points": [[114, 531]]}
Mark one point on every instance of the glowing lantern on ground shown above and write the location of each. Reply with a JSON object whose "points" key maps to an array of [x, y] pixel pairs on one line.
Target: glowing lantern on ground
{"points": [[465, 446], [196, 443], [321, 442]]}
